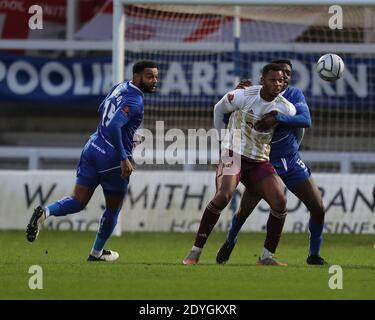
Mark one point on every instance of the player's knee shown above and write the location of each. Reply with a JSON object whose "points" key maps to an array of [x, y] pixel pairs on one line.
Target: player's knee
{"points": [[82, 201], [279, 204], [113, 201], [222, 199], [321, 211], [318, 213], [227, 197]]}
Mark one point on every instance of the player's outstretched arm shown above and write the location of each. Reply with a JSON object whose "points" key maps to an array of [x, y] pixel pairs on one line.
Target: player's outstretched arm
{"points": [[302, 119]]}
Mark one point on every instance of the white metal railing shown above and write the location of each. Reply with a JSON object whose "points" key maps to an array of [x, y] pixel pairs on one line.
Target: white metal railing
{"points": [[34, 156]]}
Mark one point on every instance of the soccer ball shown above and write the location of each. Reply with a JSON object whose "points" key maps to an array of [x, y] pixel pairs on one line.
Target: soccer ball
{"points": [[330, 67]]}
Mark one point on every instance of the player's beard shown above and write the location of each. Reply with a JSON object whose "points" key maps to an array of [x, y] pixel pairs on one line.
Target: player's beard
{"points": [[145, 88], [276, 91]]}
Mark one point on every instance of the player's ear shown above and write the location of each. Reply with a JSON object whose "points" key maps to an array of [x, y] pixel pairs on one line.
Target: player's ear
{"points": [[261, 81], [137, 78]]}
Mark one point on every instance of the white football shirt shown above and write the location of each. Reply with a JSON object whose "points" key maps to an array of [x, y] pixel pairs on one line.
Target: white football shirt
{"points": [[247, 108]]}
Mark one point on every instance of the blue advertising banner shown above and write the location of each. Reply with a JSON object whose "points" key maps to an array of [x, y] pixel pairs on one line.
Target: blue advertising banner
{"points": [[186, 78]]}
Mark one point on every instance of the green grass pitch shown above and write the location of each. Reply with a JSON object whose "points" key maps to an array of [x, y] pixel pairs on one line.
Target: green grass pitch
{"points": [[150, 267]]}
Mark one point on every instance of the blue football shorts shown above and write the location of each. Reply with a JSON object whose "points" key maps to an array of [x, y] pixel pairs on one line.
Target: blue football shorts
{"points": [[292, 170], [100, 164]]}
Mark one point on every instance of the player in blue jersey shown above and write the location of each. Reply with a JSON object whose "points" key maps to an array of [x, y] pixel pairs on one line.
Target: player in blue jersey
{"points": [[106, 159], [295, 174]]}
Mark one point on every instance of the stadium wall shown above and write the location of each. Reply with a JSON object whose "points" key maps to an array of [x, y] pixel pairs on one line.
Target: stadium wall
{"points": [[173, 202]]}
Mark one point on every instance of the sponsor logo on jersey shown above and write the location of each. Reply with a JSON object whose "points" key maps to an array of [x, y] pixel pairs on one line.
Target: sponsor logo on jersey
{"points": [[98, 148], [227, 164]]}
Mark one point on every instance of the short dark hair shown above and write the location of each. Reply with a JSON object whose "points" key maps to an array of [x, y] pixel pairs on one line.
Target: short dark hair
{"points": [[270, 67], [283, 61], [143, 64]]}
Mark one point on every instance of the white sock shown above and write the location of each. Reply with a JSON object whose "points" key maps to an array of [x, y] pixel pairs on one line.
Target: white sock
{"points": [[96, 253], [266, 254], [194, 248]]}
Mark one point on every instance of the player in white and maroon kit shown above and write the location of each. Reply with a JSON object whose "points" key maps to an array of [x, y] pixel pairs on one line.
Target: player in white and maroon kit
{"points": [[243, 141]]}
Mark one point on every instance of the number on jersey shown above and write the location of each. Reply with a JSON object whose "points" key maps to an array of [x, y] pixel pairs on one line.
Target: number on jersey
{"points": [[109, 111], [301, 164]]}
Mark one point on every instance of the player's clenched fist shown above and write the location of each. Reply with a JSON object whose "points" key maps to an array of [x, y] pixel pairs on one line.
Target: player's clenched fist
{"points": [[126, 168], [267, 122]]}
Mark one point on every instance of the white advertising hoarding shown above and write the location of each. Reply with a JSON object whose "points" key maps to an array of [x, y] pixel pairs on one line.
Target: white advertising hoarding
{"points": [[173, 201]]}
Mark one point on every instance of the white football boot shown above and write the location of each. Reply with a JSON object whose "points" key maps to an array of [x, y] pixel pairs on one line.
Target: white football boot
{"points": [[107, 255]]}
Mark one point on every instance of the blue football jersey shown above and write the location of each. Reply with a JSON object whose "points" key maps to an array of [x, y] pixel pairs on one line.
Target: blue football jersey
{"points": [[121, 115], [284, 141]]}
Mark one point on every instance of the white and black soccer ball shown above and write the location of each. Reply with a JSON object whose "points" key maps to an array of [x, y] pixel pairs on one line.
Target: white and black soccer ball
{"points": [[330, 67]]}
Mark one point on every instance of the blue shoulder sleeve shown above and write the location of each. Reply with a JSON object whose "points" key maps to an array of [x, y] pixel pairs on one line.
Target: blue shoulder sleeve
{"points": [[302, 119], [120, 118], [101, 106]]}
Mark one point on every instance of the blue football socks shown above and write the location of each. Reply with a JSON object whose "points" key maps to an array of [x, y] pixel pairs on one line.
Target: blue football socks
{"points": [[235, 227], [108, 223], [64, 206]]}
